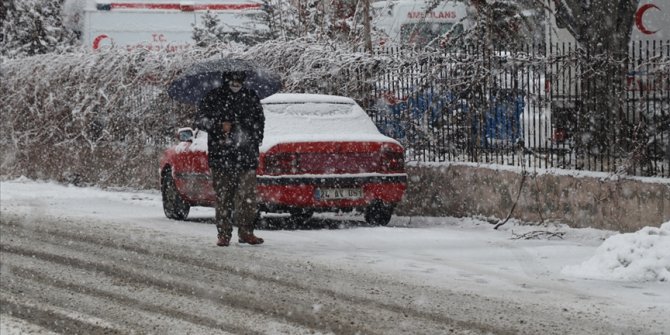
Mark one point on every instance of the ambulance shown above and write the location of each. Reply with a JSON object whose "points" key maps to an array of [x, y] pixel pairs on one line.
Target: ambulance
{"points": [[408, 23], [651, 23], [647, 75], [649, 43], [157, 24]]}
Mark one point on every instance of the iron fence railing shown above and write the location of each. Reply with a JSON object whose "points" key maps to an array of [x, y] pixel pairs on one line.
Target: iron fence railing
{"points": [[555, 108]]}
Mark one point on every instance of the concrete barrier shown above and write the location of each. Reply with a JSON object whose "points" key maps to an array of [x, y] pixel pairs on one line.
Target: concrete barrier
{"points": [[579, 200]]}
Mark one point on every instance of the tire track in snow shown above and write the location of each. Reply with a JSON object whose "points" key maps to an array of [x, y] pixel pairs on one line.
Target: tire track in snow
{"points": [[291, 295], [57, 321], [38, 277], [341, 308]]}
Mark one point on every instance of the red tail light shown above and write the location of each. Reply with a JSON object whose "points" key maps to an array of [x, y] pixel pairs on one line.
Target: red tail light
{"points": [[284, 163], [392, 159]]}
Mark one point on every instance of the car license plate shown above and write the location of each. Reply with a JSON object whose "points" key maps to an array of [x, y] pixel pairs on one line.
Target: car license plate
{"points": [[338, 193]]}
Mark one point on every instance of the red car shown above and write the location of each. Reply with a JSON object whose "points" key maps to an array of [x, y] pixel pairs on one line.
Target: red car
{"points": [[320, 153]]}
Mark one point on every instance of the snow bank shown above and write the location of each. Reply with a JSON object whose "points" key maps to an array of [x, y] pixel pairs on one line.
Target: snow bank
{"points": [[640, 256]]}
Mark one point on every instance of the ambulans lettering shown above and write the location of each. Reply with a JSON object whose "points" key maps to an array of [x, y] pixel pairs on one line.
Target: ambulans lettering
{"points": [[414, 15]]}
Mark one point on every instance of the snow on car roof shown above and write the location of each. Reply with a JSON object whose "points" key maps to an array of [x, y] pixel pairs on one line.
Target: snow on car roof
{"points": [[283, 98], [312, 117]]}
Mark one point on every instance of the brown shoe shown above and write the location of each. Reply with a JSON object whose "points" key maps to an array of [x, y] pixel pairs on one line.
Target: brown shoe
{"points": [[223, 241], [250, 239]]}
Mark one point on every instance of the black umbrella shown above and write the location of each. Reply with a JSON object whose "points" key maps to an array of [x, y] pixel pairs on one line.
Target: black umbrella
{"points": [[192, 86]]}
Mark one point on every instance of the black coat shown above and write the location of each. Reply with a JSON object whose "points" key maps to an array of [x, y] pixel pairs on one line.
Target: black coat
{"points": [[244, 110]]}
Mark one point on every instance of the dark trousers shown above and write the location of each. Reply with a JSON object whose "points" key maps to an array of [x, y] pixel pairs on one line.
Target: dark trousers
{"points": [[236, 200]]}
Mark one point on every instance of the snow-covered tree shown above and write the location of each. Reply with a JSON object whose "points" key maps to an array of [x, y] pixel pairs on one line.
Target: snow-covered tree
{"points": [[210, 31], [73, 18], [34, 27], [500, 24], [602, 31], [614, 20], [289, 21], [334, 20], [5, 6]]}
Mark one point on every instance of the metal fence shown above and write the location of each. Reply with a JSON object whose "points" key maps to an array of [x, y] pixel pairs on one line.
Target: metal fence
{"points": [[559, 107]]}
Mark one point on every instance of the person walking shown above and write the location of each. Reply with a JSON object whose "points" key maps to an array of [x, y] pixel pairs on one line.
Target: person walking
{"points": [[232, 116]]}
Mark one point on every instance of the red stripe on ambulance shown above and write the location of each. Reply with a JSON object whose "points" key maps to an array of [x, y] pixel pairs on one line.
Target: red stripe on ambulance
{"points": [[176, 6]]}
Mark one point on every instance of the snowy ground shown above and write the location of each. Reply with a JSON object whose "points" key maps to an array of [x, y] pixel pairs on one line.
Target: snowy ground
{"points": [[622, 280]]}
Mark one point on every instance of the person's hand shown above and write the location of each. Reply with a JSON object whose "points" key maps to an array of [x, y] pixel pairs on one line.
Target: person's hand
{"points": [[227, 126]]}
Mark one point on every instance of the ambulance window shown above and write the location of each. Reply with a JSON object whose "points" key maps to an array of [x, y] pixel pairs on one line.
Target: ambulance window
{"points": [[424, 32]]}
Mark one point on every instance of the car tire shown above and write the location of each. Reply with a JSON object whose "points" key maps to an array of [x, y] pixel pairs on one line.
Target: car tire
{"points": [[173, 205], [378, 214], [300, 216]]}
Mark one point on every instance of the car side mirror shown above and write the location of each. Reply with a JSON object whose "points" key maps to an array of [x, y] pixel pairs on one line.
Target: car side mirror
{"points": [[185, 135]]}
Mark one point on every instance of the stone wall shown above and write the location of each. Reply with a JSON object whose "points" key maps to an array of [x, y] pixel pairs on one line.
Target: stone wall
{"points": [[580, 201]]}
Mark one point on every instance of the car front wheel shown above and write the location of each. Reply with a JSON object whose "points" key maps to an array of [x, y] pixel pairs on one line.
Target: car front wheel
{"points": [[173, 205], [378, 214]]}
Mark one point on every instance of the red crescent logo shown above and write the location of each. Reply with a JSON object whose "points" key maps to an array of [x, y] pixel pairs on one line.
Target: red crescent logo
{"points": [[639, 18], [97, 40]]}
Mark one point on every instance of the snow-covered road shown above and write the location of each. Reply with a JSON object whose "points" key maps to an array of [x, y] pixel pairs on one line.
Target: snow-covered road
{"points": [[85, 260]]}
